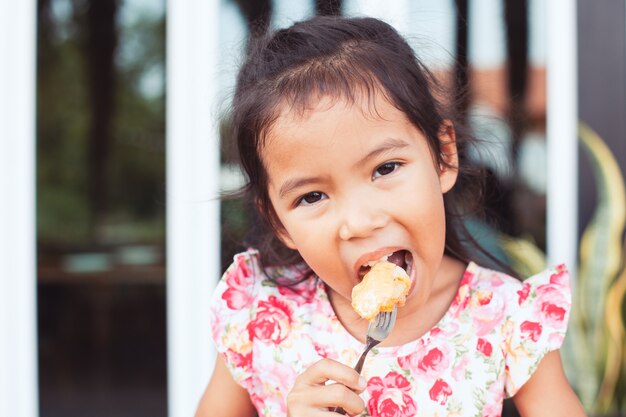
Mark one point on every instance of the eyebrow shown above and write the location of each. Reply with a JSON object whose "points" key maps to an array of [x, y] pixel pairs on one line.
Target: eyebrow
{"points": [[387, 145], [292, 184]]}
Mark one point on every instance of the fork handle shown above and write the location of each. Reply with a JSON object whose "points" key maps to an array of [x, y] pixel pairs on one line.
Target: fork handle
{"points": [[358, 367]]}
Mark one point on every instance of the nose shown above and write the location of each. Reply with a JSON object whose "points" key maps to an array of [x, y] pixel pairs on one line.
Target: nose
{"points": [[360, 218]]}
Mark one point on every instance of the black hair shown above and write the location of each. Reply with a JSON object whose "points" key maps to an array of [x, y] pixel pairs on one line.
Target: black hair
{"points": [[343, 58]]}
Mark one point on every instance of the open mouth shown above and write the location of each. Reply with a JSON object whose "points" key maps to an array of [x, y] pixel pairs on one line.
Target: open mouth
{"points": [[401, 258]]}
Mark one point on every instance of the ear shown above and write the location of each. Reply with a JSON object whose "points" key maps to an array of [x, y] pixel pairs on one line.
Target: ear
{"points": [[449, 165]]}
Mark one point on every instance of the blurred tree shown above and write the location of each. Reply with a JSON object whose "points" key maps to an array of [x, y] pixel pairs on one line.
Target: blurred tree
{"points": [[461, 79], [257, 14], [62, 213], [100, 123], [328, 7], [516, 21], [516, 18], [99, 45]]}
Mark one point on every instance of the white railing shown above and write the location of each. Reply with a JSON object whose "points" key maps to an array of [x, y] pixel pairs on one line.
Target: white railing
{"points": [[562, 169], [192, 151], [18, 299]]}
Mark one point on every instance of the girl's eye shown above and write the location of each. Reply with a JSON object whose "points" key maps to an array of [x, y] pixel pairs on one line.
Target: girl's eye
{"points": [[386, 169], [311, 198]]}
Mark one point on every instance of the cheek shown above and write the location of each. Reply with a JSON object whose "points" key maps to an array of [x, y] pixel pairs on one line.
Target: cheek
{"points": [[305, 235], [423, 209]]}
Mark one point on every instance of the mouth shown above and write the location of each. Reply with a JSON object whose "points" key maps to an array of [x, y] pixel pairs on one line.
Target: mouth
{"points": [[401, 258]]}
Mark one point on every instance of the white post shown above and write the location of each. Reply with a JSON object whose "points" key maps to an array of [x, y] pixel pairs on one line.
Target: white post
{"points": [[18, 299], [193, 245], [562, 120], [396, 12]]}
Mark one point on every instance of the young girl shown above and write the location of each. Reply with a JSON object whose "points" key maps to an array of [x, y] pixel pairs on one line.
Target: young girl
{"points": [[351, 157]]}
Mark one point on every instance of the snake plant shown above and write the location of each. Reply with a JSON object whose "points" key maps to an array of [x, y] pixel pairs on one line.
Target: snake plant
{"points": [[595, 348]]}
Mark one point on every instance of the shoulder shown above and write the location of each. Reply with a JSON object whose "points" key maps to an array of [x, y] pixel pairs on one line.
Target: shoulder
{"points": [[532, 317], [240, 283], [488, 292], [249, 307], [485, 278], [496, 299], [246, 283], [553, 282]]}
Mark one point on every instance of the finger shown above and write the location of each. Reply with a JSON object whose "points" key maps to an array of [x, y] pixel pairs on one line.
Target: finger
{"points": [[327, 369], [325, 398], [338, 395]]}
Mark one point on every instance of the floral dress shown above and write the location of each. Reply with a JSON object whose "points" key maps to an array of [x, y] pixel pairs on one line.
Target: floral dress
{"points": [[486, 346]]}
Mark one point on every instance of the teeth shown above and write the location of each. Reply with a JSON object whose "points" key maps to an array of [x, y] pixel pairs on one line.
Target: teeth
{"points": [[372, 263]]}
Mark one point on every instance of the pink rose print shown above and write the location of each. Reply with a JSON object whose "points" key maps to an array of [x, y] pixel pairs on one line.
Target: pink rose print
{"points": [[531, 330], [280, 377], [461, 299], [494, 396], [553, 313], [440, 391], [556, 339], [523, 293], [552, 305], [484, 347], [449, 330], [217, 326], [492, 410], [272, 322], [257, 400], [239, 281], [238, 359], [390, 397], [435, 331], [323, 350], [561, 277], [488, 309], [301, 294], [430, 360], [458, 372]]}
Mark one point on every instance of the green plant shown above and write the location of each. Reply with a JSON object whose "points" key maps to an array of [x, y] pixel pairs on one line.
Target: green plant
{"points": [[595, 348]]}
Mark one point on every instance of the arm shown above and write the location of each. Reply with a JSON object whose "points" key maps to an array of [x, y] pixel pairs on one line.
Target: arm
{"points": [[309, 396], [223, 396], [548, 393]]}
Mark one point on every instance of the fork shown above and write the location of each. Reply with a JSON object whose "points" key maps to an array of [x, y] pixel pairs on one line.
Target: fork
{"points": [[377, 331]]}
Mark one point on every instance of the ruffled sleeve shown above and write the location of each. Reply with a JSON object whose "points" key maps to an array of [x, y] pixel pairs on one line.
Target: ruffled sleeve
{"points": [[232, 306], [537, 324]]}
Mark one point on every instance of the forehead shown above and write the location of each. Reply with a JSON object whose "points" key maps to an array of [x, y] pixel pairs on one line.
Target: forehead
{"points": [[330, 132], [368, 99], [319, 113]]}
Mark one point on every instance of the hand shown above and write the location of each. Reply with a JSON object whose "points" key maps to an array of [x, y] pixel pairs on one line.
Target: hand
{"points": [[312, 395]]}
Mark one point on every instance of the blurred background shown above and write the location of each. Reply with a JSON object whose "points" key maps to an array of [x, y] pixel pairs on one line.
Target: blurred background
{"points": [[101, 273]]}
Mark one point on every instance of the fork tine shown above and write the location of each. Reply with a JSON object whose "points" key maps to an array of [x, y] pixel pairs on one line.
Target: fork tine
{"points": [[389, 319], [381, 319]]}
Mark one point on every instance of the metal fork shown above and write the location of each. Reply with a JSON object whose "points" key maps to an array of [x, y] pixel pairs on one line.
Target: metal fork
{"points": [[377, 331]]}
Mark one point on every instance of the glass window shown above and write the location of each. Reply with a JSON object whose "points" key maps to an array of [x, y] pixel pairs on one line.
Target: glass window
{"points": [[101, 208]]}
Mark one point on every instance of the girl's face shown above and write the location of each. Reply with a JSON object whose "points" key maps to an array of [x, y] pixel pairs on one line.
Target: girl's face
{"points": [[351, 183]]}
